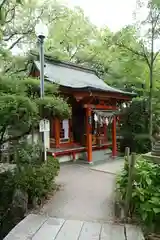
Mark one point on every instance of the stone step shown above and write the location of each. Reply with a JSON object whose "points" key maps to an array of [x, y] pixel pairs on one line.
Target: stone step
{"points": [[38, 227]]}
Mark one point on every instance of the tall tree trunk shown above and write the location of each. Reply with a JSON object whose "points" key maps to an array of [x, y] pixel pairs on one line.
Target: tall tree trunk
{"points": [[150, 104], [151, 87]]}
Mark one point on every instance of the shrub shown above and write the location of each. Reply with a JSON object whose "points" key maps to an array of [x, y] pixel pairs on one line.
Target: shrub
{"points": [[27, 153], [134, 127], [36, 180], [137, 143], [6, 190], [145, 203]]}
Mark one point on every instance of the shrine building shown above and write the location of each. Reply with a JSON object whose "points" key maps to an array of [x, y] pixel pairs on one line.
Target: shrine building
{"points": [[91, 129]]}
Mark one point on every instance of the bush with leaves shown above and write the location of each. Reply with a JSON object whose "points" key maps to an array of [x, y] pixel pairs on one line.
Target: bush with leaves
{"points": [[37, 180], [134, 127], [145, 202], [28, 154], [6, 190]]}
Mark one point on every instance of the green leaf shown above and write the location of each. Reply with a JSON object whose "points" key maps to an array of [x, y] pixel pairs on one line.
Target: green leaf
{"points": [[144, 216], [156, 210], [134, 194], [149, 181], [2, 16], [142, 198]]}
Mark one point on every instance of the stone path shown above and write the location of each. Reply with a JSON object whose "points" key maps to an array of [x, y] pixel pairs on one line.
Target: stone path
{"points": [[81, 210], [38, 227], [111, 166], [84, 195]]}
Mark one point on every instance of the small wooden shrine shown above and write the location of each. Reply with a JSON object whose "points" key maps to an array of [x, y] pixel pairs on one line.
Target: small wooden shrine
{"points": [[95, 107]]}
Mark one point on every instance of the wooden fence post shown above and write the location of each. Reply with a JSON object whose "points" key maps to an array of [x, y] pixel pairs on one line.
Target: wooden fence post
{"points": [[127, 152], [132, 160]]}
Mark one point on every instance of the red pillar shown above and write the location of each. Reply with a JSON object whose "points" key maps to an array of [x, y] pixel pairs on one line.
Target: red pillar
{"points": [[57, 132], [89, 134], [114, 143]]}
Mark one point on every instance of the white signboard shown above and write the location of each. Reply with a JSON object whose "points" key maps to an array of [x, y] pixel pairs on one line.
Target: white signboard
{"points": [[47, 140], [44, 125]]}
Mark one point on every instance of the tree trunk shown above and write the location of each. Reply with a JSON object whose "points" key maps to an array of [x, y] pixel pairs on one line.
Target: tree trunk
{"points": [[150, 103], [151, 86]]}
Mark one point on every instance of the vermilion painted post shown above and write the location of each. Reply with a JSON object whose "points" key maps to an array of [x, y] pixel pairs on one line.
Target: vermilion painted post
{"points": [[57, 132], [114, 143], [89, 134]]}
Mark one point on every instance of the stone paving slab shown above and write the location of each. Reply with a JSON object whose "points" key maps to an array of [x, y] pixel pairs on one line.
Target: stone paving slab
{"points": [[26, 228], [52, 226], [114, 166], [37, 227]]}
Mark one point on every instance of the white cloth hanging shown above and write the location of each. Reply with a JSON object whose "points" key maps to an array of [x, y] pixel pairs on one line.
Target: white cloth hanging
{"points": [[107, 122], [95, 118]]}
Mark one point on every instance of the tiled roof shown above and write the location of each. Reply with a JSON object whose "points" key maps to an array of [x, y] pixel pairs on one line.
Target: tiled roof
{"points": [[76, 77]]}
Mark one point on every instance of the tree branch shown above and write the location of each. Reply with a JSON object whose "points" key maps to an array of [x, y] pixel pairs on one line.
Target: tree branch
{"points": [[11, 36], [2, 3], [17, 41], [155, 55], [145, 56], [66, 32], [141, 54], [75, 52], [7, 70], [155, 23], [20, 38], [13, 12], [3, 130]]}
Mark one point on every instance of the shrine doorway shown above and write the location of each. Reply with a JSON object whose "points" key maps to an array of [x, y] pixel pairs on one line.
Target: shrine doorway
{"points": [[78, 123]]}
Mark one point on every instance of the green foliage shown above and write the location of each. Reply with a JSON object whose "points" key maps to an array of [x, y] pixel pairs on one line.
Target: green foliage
{"points": [[21, 107], [28, 154], [17, 114], [6, 190], [74, 36], [31, 176], [134, 126], [32, 86], [53, 106], [145, 202], [37, 181]]}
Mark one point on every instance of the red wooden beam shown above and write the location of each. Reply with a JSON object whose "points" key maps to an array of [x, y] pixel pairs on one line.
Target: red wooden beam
{"points": [[74, 151], [102, 107], [101, 95]]}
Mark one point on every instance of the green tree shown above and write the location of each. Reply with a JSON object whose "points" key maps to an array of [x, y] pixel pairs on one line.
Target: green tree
{"points": [[70, 35], [146, 32], [20, 105]]}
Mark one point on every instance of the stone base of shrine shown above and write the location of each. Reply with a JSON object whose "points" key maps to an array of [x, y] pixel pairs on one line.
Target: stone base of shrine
{"points": [[154, 159], [80, 155]]}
